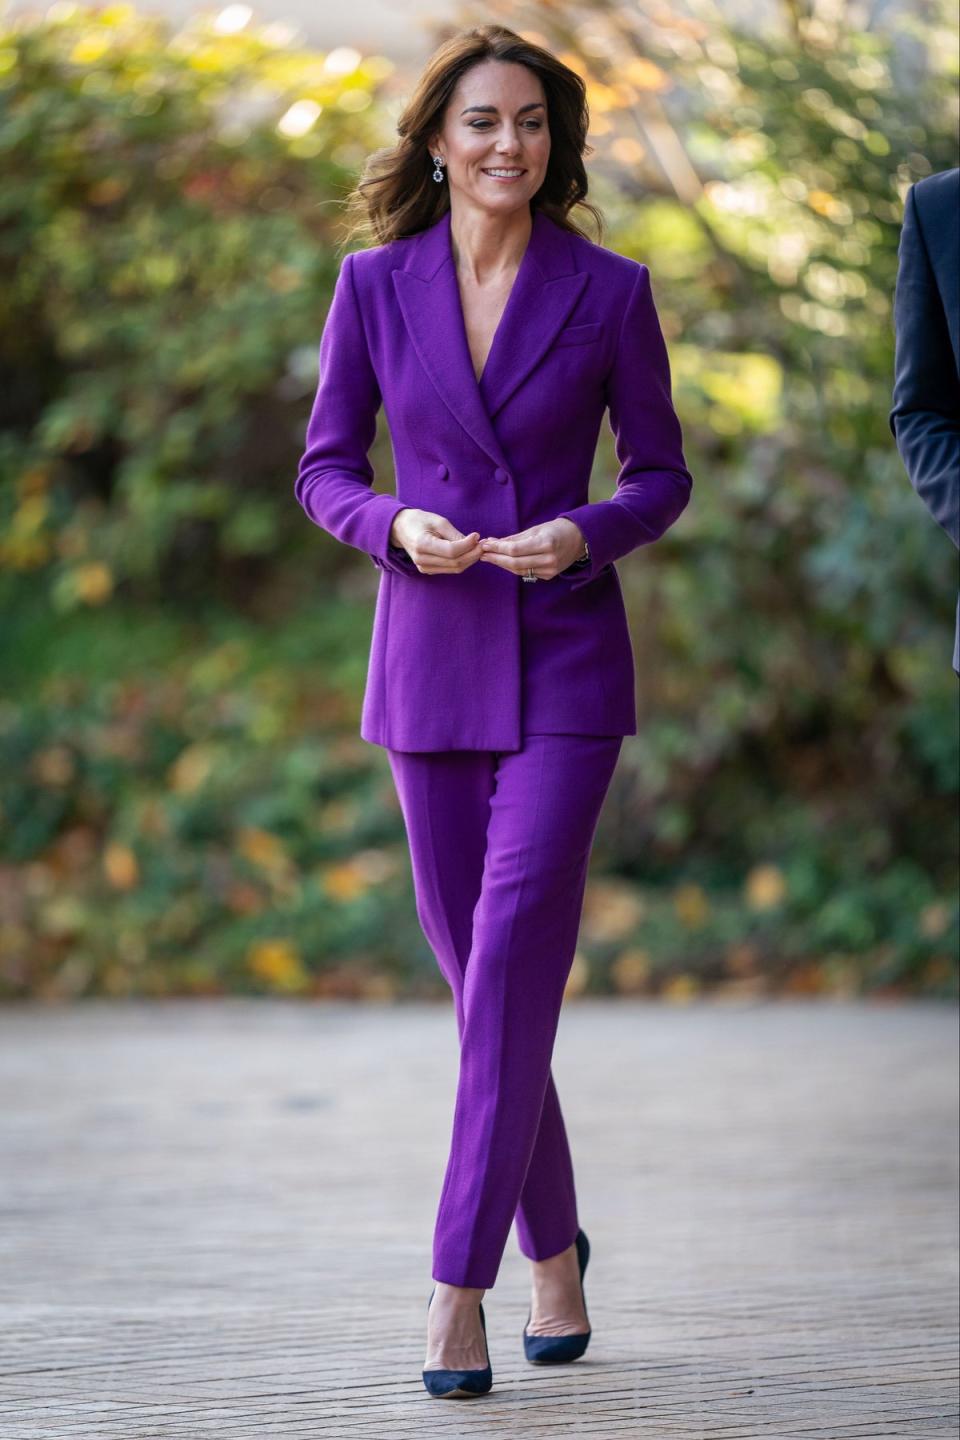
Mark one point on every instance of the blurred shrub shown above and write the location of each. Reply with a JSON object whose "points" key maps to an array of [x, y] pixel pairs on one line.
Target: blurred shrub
{"points": [[165, 256], [193, 817]]}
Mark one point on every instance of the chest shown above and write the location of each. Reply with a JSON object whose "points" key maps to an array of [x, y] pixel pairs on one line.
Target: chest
{"points": [[482, 312]]}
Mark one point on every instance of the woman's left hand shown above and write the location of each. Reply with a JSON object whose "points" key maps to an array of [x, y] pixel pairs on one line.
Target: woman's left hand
{"points": [[545, 549]]}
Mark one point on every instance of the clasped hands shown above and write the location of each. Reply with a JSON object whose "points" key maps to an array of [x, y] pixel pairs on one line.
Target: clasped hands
{"points": [[437, 547]]}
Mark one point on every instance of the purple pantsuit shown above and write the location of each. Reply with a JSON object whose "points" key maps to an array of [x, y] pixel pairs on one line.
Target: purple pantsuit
{"points": [[500, 846], [502, 705]]}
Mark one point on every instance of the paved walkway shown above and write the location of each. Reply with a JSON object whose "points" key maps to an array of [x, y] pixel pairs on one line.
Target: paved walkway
{"points": [[216, 1221]]}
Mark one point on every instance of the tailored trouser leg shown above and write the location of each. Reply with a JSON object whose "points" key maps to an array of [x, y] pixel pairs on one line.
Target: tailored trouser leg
{"points": [[500, 846]]}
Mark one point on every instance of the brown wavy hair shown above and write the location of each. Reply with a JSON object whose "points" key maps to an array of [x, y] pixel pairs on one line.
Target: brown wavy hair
{"points": [[395, 195]]}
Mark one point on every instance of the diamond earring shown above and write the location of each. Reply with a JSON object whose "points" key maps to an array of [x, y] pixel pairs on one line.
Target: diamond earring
{"points": [[438, 160]]}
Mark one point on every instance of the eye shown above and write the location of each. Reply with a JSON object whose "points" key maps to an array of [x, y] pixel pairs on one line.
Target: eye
{"points": [[483, 124]]}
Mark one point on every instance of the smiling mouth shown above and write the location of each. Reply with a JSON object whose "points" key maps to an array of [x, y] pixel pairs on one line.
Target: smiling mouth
{"points": [[504, 173]]}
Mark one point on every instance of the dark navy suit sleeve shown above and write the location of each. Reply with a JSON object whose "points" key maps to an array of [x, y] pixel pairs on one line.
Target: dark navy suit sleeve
{"points": [[335, 478], [925, 418]]}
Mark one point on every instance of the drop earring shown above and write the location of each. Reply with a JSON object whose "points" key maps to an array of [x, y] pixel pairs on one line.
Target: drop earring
{"points": [[438, 161]]}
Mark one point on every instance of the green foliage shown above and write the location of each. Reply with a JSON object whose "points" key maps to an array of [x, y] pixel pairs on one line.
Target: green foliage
{"points": [[190, 814], [184, 802], [165, 266]]}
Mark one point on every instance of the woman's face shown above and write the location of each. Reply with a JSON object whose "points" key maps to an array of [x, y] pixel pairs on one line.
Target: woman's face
{"points": [[496, 119]]}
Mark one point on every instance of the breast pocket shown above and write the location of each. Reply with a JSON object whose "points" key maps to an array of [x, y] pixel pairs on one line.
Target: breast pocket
{"points": [[580, 334]]}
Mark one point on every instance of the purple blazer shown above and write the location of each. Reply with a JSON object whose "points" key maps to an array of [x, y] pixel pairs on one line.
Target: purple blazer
{"points": [[476, 660]]}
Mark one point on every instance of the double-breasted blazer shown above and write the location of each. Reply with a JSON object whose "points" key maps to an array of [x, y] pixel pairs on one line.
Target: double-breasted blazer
{"points": [[478, 659]]}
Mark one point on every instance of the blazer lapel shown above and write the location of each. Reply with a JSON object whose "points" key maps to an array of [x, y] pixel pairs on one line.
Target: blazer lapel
{"points": [[545, 290]]}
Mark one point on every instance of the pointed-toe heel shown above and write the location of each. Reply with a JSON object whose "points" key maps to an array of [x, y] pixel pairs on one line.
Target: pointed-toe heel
{"points": [[459, 1384], [559, 1349]]}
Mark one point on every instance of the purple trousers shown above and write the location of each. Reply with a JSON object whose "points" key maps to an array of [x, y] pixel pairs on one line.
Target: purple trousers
{"points": [[499, 848]]}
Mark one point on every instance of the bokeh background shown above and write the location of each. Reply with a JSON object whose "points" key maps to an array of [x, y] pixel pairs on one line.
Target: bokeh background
{"points": [[186, 806]]}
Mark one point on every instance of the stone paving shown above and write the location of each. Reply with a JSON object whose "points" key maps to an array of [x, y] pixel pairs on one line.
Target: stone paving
{"points": [[216, 1217]]}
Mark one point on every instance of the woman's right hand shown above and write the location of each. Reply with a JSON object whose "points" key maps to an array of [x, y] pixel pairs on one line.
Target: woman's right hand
{"points": [[433, 542]]}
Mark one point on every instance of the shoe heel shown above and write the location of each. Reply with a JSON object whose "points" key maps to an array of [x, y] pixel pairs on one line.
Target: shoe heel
{"points": [[560, 1349], [459, 1384]]}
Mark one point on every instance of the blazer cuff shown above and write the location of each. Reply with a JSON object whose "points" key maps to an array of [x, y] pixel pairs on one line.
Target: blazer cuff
{"points": [[584, 517], [384, 555]]}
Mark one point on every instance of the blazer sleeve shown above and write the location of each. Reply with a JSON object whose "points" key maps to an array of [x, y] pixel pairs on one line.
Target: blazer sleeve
{"points": [[335, 478], [925, 418], [654, 484]]}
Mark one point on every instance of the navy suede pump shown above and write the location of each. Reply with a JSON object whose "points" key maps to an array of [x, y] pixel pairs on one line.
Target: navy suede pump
{"points": [[458, 1384], [558, 1349]]}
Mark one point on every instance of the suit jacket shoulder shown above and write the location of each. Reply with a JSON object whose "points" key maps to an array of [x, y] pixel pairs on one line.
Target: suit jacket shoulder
{"points": [[942, 189]]}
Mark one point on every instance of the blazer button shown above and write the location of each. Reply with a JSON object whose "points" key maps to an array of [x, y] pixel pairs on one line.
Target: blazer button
{"points": [[442, 471], [501, 475]]}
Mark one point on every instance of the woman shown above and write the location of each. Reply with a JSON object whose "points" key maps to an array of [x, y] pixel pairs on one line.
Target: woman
{"points": [[496, 334]]}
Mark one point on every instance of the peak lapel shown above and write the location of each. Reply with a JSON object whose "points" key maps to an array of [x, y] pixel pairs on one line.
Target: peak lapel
{"points": [[429, 299], [545, 290]]}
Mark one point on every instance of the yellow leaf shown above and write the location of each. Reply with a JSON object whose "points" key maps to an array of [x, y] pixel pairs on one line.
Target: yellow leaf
{"points": [[574, 61], [627, 150], [30, 513], [262, 847], [89, 49], [821, 201], [611, 909], [116, 14], [645, 75], [630, 971], [934, 920], [93, 583], [680, 989], [120, 866], [765, 887], [344, 882], [24, 552], [191, 768], [600, 97], [278, 963], [578, 977], [691, 905]]}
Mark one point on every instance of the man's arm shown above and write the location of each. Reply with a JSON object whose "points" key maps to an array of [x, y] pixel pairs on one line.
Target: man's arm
{"points": [[925, 418]]}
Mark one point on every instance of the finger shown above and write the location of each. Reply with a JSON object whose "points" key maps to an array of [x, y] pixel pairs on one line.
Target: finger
{"points": [[516, 545], [435, 565], [433, 561], [520, 564], [504, 544], [434, 544]]}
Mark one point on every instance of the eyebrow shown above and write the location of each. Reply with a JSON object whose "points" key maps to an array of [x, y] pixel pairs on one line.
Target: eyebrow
{"points": [[492, 109]]}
